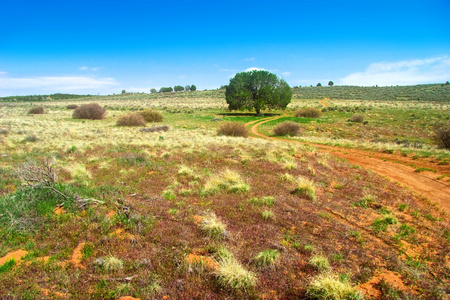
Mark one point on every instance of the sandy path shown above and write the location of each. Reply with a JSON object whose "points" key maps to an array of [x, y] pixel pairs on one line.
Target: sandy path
{"points": [[391, 166]]}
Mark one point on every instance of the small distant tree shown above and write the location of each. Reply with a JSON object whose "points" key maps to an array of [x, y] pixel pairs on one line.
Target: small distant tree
{"points": [[166, 89], [330, 83], [187, 88], [153, 91], [257, 89], [447, 83], [178, 88], [319, 84], [124, 92], [193, 88]]}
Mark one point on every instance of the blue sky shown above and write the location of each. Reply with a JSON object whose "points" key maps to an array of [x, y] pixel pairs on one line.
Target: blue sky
{"points": [[102, 47]]}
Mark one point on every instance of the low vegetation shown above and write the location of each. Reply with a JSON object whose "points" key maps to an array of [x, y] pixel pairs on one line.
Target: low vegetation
{"points": [[330, 287], [91, 210], [233, 129], [308, 112], [36, 110], [151, 116], [442, 136], [133, 119], [91, 111], [287, 128]]}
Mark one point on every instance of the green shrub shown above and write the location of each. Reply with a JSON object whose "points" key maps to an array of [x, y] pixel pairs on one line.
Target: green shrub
{"points": [[71, 106], [287, 128], [382, 224], [134, 119], [151, 116], [92, 111], [37, 110], [308, 112], [233, 129], [267, 200]]}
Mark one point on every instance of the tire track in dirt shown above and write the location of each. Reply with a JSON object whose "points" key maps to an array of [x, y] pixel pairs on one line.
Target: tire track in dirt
{"points": [[396, 170]]}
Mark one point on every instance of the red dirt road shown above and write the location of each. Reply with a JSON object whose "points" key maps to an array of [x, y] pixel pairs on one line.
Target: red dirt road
{"points": [[394, 167]]}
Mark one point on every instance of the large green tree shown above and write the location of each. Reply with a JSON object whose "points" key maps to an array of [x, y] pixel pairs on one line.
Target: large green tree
{"points": [[257, 90]]}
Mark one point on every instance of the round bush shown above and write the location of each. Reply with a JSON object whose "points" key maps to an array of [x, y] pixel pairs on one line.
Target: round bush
{"points": [[151, 115], [37, 110], [357, 118], [442, 137], [91, 111], [287, 128], [71, 106], [308, 112], [134, 119], [233, 129]]}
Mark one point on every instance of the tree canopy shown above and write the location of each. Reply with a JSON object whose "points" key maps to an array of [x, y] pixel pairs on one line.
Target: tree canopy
{"points": [[330, 83], [257, 90], [178, 88], [166, 89]]}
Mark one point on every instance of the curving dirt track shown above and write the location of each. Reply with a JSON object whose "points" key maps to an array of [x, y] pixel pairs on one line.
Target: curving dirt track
{"points": [[392, 166]]}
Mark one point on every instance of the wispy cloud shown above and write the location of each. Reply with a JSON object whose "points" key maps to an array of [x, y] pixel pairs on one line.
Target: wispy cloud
{"points": [[408, 72], [54, 84], [85, 68], [250, 59], [286, 74]]}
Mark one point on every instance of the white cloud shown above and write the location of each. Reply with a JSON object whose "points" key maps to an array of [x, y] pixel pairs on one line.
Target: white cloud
{"points": [[286, 74], [55, 84], [417, 71], [85, 68], [255, 69]]}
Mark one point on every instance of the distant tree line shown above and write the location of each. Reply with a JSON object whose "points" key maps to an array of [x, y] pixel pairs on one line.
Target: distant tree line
{"points": [[428, 92], [177, 88], [52, 97]]}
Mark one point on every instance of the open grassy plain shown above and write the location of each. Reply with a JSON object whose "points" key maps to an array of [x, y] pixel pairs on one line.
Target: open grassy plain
{"points": [[187, 214]]}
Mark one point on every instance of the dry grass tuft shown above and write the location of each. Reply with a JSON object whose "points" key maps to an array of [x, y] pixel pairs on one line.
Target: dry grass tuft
{"points": [[266, 258], [228, 180], [232, 274], [213, 227], [37, 110], [308, 112], [92, 111], [151, 116], [71, 106], [328, 286], [287, 128], [112, 264], [320, 262], [305, 188], [133, 119], [233, 129]]}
